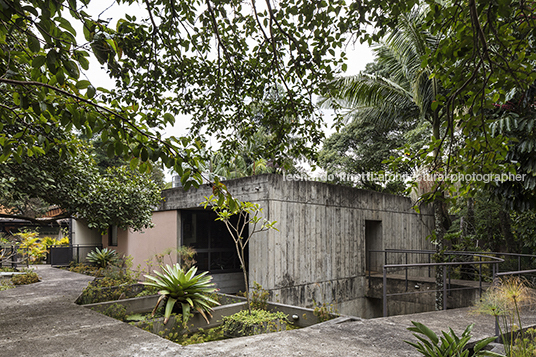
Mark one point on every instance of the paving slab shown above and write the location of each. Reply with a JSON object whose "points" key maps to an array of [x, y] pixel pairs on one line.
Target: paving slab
{"points": [[42, 320]]}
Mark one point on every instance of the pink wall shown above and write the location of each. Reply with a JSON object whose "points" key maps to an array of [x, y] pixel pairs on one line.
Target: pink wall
{"points": [[145, 244]]}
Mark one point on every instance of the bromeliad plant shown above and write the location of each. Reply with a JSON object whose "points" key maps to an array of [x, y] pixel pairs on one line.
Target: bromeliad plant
{"points": [[187, 289], [103, 257], [449, 345]]}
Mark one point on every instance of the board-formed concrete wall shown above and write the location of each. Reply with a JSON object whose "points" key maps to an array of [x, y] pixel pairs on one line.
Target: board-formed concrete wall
{"points": [[318, 253]]}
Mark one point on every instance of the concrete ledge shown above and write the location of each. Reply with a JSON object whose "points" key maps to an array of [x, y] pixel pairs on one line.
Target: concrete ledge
{"points": [[196, 322], [9, 274], [133, 305]]}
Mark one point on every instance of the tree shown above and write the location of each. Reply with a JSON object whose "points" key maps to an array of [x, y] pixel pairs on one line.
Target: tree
{"points": [[399, 92], [248, 220], [117, 196], [363, 146], [183, 57], [404, 96], [515, 120]]}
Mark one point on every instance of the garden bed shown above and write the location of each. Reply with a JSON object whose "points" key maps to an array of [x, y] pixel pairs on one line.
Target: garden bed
{"points": [[297, 316]]}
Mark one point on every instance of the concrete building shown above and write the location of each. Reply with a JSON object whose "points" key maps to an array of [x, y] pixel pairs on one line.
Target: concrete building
{"points": [[318, 254]]}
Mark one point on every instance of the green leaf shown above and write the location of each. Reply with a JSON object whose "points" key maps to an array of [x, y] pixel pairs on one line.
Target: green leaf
{"points": [[134, 163], [90, 93], [82, 84], [33, 44], [72, 69], [144, 154], [89, 30], [66, 25], [169, 118], [38, 61], [52, 57], [119, 148], [425, 331]]}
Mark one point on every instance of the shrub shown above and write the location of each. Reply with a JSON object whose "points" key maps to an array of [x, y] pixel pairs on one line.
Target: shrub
{"points": [[29, 277], [99, 292], [103, 257], [505, 300], [188, 289], [259, 297], [525, 346], [35, 247], [30, 244], [201, 336], [115, 311], [325, 312], [246, 323], [82, 268], [6, 284]]}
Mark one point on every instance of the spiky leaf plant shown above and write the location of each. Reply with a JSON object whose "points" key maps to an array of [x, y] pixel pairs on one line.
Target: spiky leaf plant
{"points": [[187, 289], [102, 257], [449, 344]]}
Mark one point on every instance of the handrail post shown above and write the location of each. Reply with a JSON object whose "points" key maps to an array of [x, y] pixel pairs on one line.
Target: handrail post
{"points": [[368, 262], [407, 286], [444, 287], [429, 262], [497, 329], [384, 291], [480, 277]]}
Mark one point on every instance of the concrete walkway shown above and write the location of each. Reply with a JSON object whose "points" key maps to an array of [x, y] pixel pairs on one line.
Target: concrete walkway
{"points": [[42, 320]]}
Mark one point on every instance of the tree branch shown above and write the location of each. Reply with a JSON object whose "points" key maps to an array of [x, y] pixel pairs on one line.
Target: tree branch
{"points": [[40, 221]]}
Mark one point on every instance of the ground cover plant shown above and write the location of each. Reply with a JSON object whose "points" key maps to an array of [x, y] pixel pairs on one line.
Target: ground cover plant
{"points": [[254, 322], [325, 312], [28, 277], [6, 284], [83, 268], [114, 278]]}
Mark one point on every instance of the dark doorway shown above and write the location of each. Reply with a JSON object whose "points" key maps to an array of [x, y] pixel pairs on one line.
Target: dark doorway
{"points": [[373, 242]]}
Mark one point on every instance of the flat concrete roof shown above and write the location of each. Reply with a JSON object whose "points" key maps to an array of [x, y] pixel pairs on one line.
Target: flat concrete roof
{"points": [[42, 320]]}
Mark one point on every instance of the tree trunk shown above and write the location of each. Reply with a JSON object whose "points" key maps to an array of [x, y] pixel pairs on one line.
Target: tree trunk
{"points": [[442, 223], [470, 226], [506, 229]]}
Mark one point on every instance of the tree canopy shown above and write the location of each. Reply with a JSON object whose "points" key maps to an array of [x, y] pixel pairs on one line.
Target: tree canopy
{"points": [[80, 188], [215, 61]]}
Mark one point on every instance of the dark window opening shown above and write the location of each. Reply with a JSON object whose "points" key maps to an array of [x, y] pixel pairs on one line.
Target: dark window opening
{"points": [[216, 251], [112, 236]]}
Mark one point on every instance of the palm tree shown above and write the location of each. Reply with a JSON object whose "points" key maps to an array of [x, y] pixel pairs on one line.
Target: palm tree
{"points": [[400, 90]]}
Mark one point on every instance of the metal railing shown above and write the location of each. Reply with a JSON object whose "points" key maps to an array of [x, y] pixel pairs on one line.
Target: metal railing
{"points": [[13, 255], [65, 254], [484, 258]]}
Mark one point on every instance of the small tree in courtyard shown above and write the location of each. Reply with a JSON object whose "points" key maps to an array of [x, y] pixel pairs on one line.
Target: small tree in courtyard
{"points": [[247, 214]]}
